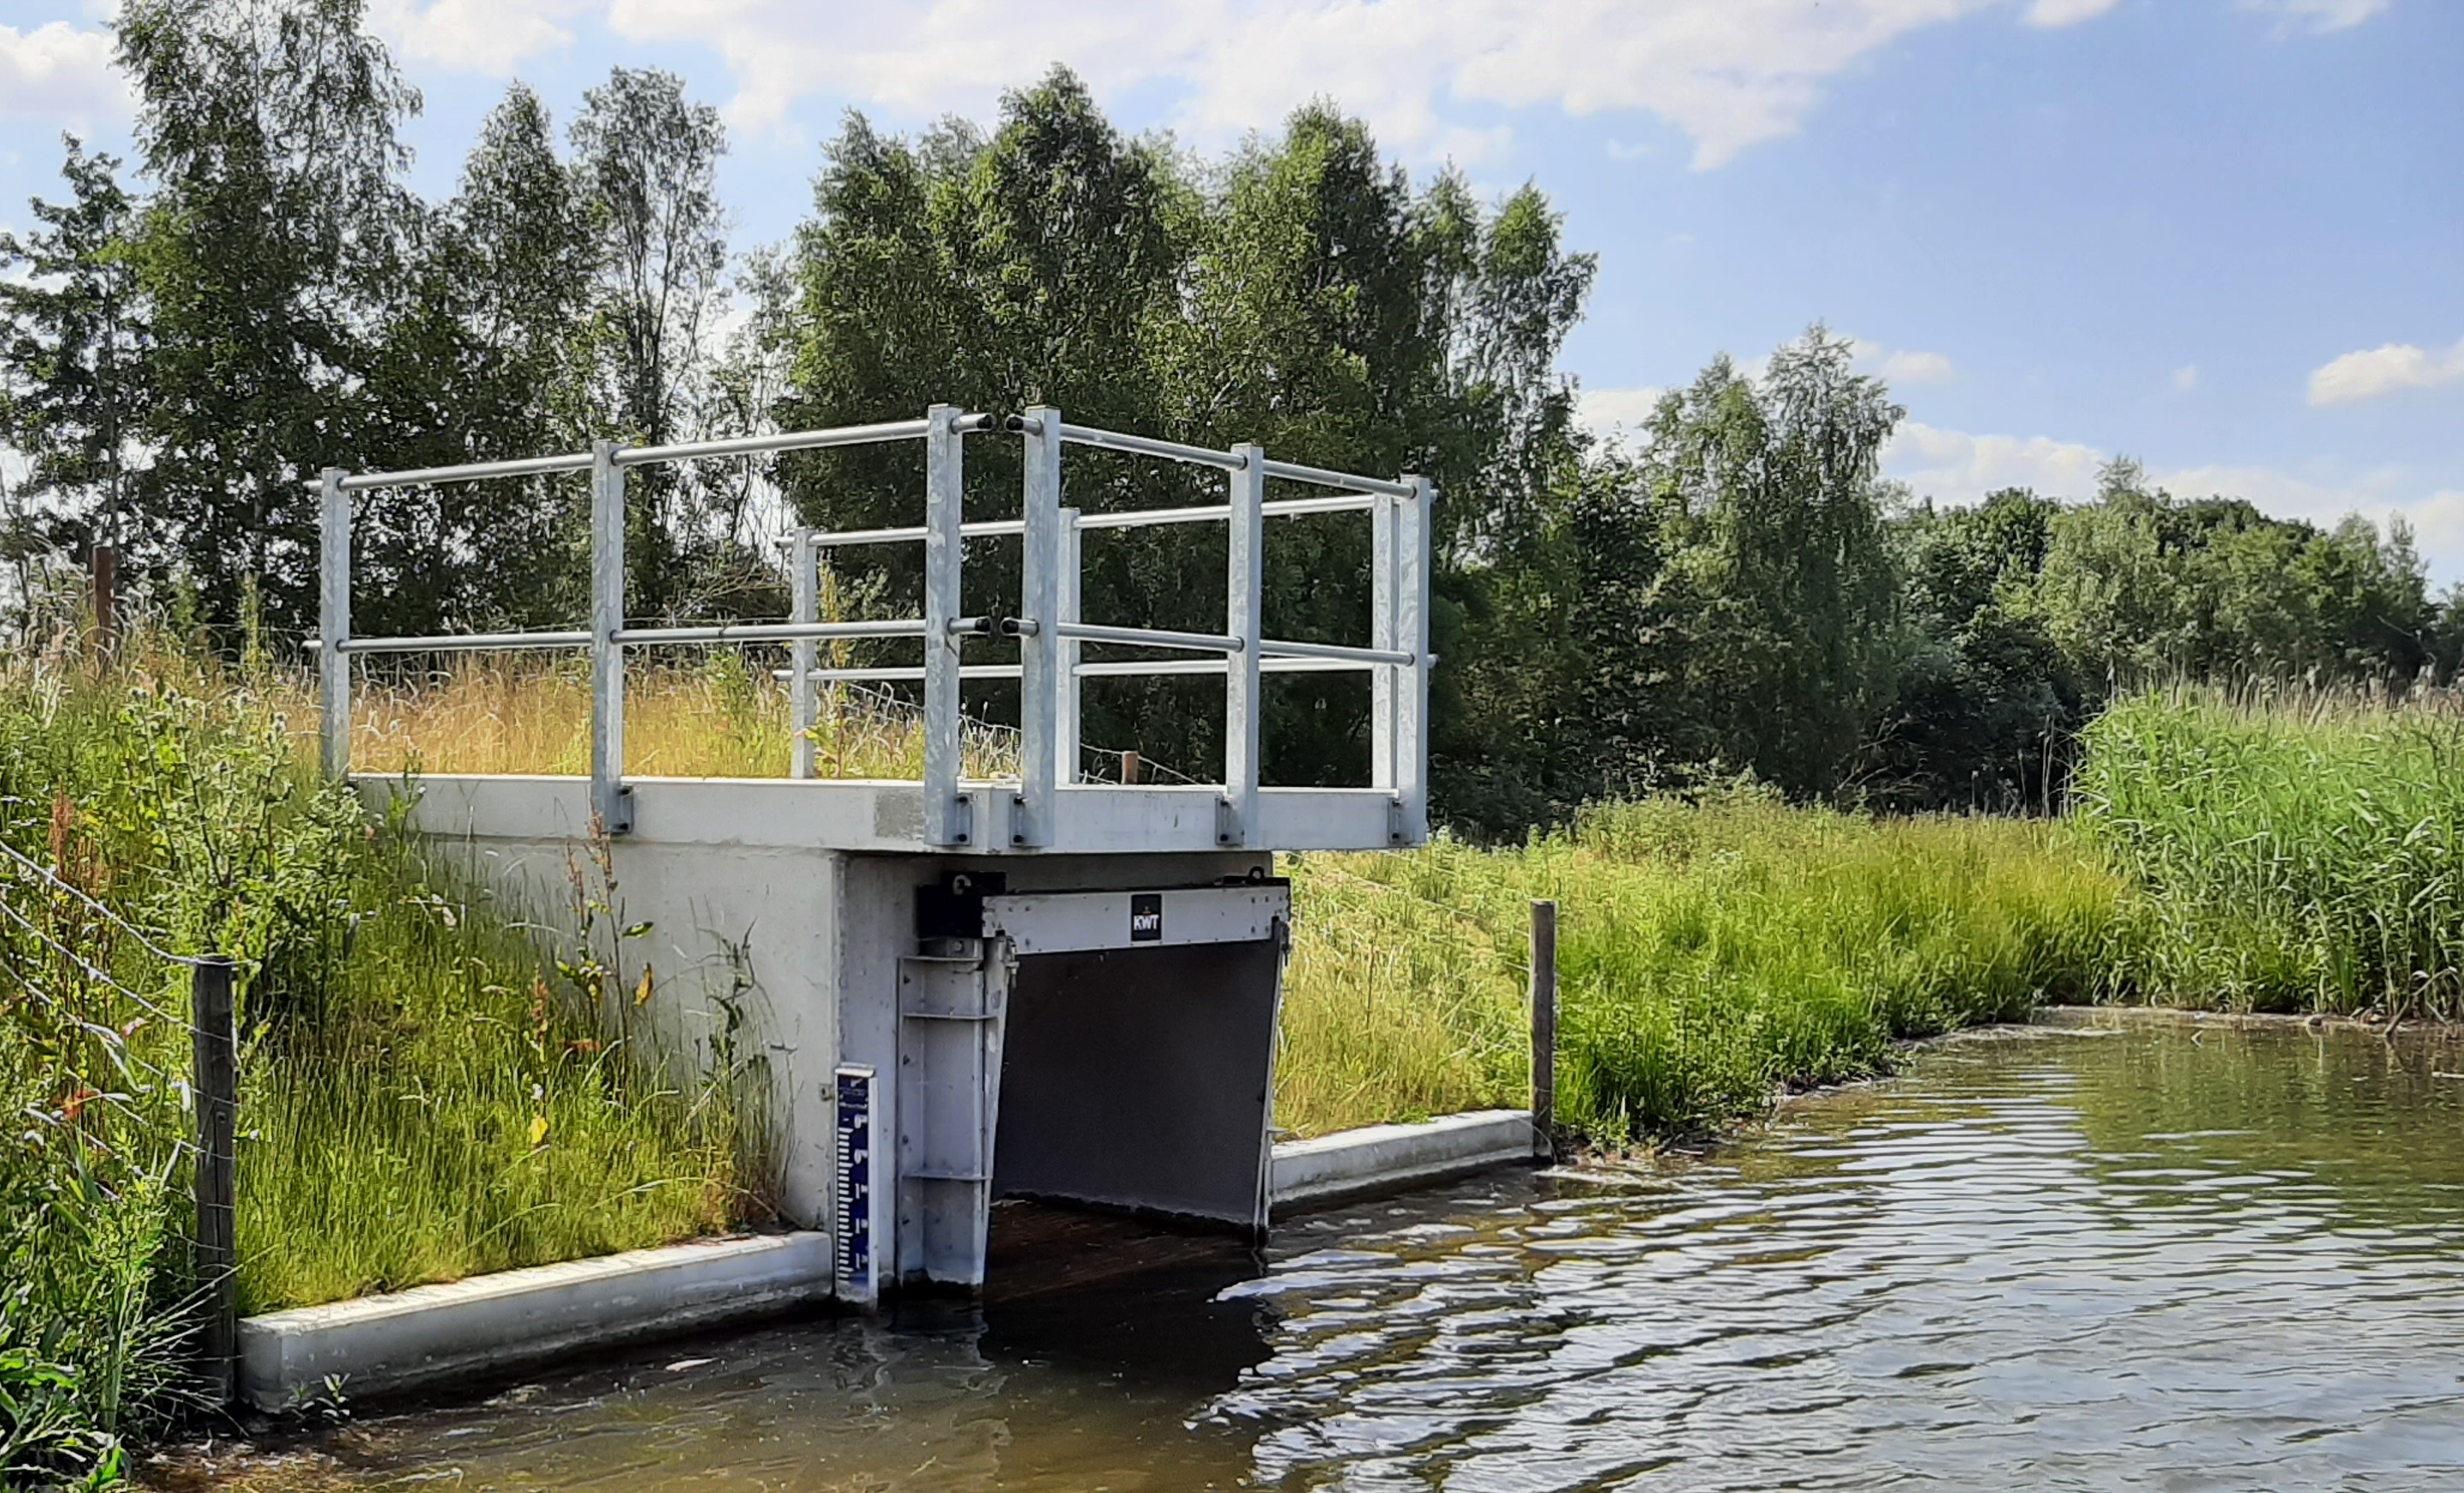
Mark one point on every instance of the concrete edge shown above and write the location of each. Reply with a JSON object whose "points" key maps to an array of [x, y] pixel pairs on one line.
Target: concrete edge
{"points": [[406, 1339], [1381, 1158]]}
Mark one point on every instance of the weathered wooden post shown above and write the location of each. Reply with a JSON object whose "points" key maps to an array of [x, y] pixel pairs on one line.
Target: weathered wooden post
{"points": [[1544, 1027], [1129, 767], [216, 1080]]}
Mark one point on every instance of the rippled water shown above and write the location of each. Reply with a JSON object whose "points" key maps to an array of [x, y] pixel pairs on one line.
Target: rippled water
{"points": [[2170, 1258]]}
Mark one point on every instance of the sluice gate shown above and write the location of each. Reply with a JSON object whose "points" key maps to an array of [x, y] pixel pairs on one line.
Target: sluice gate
{"points": [[953, 989]]}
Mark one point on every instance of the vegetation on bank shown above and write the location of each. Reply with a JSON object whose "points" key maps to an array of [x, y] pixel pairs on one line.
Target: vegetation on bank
{"points": [[1711, 951], [423, 1096], [2293, 850]]}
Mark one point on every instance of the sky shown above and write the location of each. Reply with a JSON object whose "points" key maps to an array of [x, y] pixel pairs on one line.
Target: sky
{"points": [[2222, 237]]}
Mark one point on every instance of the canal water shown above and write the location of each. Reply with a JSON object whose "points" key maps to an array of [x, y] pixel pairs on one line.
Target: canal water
{"points": [[2137, 1255]]}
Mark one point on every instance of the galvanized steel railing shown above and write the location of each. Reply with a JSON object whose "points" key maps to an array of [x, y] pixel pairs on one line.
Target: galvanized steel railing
{"points": [[1048, 628]]}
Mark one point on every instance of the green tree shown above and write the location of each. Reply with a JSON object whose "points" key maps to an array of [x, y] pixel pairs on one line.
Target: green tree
{"points": [[649, 157], [1777, 611], [73, 357], [266, 255]]}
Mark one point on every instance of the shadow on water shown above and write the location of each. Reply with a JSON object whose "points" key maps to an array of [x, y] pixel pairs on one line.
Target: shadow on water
{"points": [[2171, 1256]]}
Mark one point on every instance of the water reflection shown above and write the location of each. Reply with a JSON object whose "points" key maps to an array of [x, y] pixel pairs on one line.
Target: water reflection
{"points": [[2164, 1258]]}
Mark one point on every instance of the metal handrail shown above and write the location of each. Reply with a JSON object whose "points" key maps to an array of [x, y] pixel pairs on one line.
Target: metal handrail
{"points": [[1049, 631]]}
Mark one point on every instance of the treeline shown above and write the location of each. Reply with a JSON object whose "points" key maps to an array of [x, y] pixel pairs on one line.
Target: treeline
{"points": [[184, 341]]}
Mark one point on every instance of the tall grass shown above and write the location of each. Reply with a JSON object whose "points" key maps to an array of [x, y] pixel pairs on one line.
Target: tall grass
{"points": [[1710, 953], [713, 716], [2295, 850]]}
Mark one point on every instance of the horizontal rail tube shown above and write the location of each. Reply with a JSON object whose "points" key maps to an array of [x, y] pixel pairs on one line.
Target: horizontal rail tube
{"points": [[1292, 472], [1269, 647], [1133, 518], [789, 441], [465, 472], [1149, 446], [898, 673], [1137, 667], [771, 631], [1148, 637], [466, 642]]}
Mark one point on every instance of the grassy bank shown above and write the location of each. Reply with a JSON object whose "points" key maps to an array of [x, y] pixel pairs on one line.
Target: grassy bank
{"points": [[423, 1096], [1709, 954]]}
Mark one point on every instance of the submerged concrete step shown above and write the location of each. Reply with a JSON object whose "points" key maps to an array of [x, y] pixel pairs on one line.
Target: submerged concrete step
{"points": [[379, 1345]]}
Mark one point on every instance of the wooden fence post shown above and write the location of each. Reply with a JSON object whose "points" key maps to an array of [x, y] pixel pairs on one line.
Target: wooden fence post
{"points": [[216, 1081], [1544, 1027]]}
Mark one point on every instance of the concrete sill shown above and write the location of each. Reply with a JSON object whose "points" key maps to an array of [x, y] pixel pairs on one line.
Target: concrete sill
{"points": [[1389, 1157], [405, 1339]]}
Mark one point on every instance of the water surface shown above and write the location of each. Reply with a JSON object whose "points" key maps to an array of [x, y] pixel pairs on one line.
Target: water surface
{"points": [[2166, 1257]]}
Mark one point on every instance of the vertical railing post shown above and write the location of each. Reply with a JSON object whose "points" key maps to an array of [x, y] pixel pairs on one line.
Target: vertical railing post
{"points": [[1384, 679], [1039, 761], [801, 607], [610, 805], [1065, 657], [334, 625], [1411, 564], [945, 817], [215, 1085], [1243, 604], [1544, 1027]]}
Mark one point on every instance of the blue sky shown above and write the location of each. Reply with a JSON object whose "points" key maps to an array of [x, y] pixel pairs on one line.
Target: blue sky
{"points": [[2223, 237]]}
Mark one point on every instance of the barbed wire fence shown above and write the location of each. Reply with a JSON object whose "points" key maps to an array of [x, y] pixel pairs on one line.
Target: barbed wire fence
{"points": [[53, 934]]}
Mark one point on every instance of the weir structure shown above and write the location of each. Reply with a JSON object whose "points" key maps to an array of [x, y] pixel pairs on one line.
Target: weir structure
{"points": [[952, 989]]}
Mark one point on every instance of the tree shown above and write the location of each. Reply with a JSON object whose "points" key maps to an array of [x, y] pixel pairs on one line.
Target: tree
{"points": [[73, 349], [265, 257], [1778, 607], [650, 157], [483, 358]]}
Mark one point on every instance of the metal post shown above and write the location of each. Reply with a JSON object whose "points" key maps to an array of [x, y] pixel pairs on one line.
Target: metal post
{"points": [[1065, 658], [1243, 605], [945, 817], [1412, 546], [1384, 680], [1544, 1027], [1039, 761], [609, 802], [215, 1083], [334, 624], [802, 607]]}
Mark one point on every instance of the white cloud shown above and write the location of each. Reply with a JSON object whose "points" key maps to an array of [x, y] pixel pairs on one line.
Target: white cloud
{"points": [[1956, 466], [2384, 370], [2320, 15], [2186, 378], [478, 36], [58, 75], [1610, 412], [1901, 364], [1729, 74], [2051, 14]]}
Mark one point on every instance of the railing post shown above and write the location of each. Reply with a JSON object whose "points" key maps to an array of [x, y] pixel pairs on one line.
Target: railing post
{"points": [[1242, 606], [334, 625], [1065, 657], [1384, 684], [1039, 696], [1544, 1027], [215, 1085], [1412, 562], [802, 607], [609, 802], [945, 817]]}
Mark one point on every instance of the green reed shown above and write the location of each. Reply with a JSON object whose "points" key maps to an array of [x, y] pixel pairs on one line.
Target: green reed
{"points": [[2296, 849]]}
